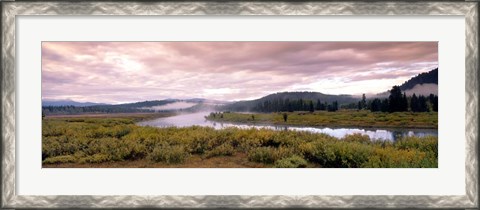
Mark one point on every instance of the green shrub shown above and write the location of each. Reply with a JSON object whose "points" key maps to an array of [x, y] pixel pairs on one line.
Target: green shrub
{"points": [[283, 152], [427, 144], [390, 157], [60, 159], [57, 146], [198, 147], [51, 131], [134, 151], [120, 131], [291, 162], [96, 158], [222, 150], [351, 155], [168, 154], [113, 148], [268, 155], [337, 154], [357, 138], [319, 152], [262, 155]]}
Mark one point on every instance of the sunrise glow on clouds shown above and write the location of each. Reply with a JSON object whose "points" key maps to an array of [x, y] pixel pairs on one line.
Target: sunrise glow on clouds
{"points": [[118, 72]]}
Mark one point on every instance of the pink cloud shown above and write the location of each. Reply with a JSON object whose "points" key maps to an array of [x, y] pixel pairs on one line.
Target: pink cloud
{"points": [[187, 69]]}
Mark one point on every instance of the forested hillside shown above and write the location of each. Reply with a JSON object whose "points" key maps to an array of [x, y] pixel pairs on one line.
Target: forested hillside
{"points": [[291, 101], [119, 108], [430, 77], [68, 103]]}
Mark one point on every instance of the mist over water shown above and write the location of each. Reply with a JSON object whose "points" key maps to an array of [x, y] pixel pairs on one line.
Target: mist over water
{"points": [[198, 119], [172, 106], [180, 120]]}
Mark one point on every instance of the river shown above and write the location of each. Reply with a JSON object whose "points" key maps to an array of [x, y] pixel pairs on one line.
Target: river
{"points": [[198, 118]]}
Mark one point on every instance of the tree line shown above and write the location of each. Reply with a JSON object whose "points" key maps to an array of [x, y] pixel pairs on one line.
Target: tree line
{"points": [[400, 102], [118, 108], [397, 101], [287, 105], [55, 110]]}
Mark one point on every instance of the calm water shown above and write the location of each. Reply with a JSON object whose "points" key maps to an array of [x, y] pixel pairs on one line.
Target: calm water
{"points": [[198, 118]]}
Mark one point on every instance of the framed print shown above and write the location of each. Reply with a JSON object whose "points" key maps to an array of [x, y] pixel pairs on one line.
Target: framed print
{"points": [[240, 104]]}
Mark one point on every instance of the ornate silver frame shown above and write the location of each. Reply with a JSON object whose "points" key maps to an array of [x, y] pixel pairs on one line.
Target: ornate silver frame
{"points": [[9, 199]]}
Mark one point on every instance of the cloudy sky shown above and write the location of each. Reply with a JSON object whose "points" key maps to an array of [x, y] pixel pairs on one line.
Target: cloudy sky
{"points": [[118, 72]]}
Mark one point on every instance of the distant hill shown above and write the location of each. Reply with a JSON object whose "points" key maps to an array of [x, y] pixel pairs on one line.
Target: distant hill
{"points": [[68, 103], [430, 77], [292, 96], [195, 100], [309, 96], [74, 108], [143, 104], [421, 84]]}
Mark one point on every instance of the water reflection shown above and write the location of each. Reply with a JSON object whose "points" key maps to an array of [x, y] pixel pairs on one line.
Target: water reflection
{"points": [[198, 118]]}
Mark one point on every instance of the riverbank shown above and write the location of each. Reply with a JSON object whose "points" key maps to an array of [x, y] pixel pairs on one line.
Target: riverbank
{"points": [[342, 118], [118, 142]]}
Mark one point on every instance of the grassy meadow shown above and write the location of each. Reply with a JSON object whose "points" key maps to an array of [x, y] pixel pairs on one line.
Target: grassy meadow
{"points": [[341, 118], [116, 141]]}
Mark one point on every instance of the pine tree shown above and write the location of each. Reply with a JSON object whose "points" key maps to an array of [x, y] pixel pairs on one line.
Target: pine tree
{"points": [[414, 103], [364, 101], [422, 104], [395, 99], [312, 109], [318, 105], [384, 105], [404, 103], [376, 105], [333, 107]]}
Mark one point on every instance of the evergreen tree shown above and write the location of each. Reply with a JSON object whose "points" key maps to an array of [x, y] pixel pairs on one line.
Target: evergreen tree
{"points": [[363, 102], [333, 107], [349, 106], [311, 108], [404, 103], [395, 100], [384, 105], [289, 105], [414, 106], [422, 104], [376, 105], [433, 99], [300, 105], [318, 105]]}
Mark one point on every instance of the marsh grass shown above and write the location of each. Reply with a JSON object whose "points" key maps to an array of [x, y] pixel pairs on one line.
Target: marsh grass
{"points": [[117, 142], [342, 118]]}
